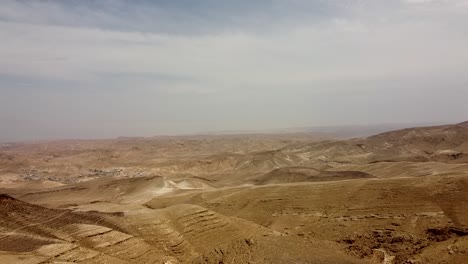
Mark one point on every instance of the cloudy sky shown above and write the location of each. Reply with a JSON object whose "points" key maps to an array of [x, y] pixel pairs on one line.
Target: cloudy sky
{"points": [[94, 69]]}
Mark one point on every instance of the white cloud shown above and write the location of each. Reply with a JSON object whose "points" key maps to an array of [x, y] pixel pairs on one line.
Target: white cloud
{"points": [[419, 1], [344, 50], [382, 44]]}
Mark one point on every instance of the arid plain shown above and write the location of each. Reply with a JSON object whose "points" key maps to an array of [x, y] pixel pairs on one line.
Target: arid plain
{"points": [[396, 197]]}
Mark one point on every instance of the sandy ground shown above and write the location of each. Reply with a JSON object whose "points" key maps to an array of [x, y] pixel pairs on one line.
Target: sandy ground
{"points": [[397, 197]]}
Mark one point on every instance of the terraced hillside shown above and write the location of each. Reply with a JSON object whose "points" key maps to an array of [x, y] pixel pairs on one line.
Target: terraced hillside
{"points": [[397, 197], [34, 234]]}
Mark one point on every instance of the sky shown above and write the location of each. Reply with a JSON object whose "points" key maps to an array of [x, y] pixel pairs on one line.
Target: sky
{"points": [[108, 68]]}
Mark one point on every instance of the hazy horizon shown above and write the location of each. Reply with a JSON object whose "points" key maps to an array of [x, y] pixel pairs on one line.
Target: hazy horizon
{"points": [[103, 69], [338, 131]]}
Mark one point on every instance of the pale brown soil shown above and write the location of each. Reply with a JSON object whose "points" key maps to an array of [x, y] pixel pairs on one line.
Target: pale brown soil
{"points": [[397, 197]]}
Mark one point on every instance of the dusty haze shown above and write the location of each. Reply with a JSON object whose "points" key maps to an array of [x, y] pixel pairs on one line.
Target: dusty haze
{"points": [[88, 69]]}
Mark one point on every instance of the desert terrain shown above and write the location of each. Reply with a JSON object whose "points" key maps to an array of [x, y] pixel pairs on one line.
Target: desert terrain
{"points": [[395, 197]]}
